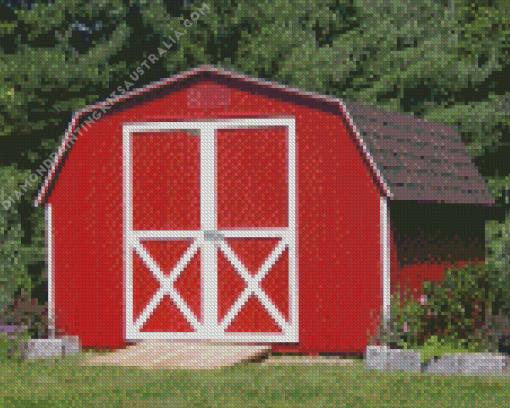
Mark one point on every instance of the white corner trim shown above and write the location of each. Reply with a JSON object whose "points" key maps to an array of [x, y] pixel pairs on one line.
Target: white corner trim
{"points": [[50, 259], [385, 257]]}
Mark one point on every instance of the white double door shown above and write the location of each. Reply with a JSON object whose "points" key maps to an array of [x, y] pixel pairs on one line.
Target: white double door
{"points": [[210, 230]]}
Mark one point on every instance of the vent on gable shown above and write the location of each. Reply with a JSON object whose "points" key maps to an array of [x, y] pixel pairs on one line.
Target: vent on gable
{"points": [[208, 96]]}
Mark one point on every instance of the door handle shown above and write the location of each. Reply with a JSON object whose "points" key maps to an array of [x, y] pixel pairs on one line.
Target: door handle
{"points": [[213, 236]]}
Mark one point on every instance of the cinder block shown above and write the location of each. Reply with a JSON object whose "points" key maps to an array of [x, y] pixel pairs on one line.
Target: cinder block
{"points": [[42, 348], [445, 365], [377, 358], [407, 360], [71, 346], [483, 363], [382, 358], [468, 363]]}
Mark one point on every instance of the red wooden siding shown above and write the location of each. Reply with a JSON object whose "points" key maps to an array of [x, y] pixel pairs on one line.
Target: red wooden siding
{"points": [[338, 216], [166, 183], [252, 178]]}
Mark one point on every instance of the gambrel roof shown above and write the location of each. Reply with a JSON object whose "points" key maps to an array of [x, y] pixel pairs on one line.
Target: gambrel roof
{"points": [[420, 160], [411, 159]]}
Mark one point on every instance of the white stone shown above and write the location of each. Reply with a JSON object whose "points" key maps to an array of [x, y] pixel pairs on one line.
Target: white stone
{"points": [[377, 358], [71, 346], [383, 358], [468, 363], [42, 348]]}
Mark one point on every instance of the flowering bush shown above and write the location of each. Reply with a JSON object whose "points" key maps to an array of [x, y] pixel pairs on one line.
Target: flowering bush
{"points": [[22, 321], [458, 308], [26, 312]]}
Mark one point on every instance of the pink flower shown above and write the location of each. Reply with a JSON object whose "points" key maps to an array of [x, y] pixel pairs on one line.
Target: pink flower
{"points": [[406, 330], [423, 299]]}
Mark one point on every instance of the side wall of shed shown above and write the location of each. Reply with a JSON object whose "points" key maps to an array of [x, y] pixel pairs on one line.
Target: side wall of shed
{"points": [[429, 238]]}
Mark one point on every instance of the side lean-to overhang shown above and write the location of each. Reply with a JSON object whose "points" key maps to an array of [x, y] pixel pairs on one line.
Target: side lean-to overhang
{"points": [[421, 161]]}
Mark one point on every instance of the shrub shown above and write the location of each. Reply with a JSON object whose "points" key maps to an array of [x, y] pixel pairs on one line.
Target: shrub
{"points": [[498, 244], [458, 308], [13, 271], [498, 248], [495, 334], [438, 347], [16, 256], [25, 320], [27, 312]]}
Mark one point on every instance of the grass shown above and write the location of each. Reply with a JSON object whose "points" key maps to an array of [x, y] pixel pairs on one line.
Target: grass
{"points": [[64, 383]]}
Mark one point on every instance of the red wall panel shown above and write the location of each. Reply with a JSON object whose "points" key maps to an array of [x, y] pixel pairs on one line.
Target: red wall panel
{"points": [[338, 222]]}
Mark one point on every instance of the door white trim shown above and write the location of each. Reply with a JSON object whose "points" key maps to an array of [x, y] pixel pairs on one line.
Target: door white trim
{"points": [[210, 329]]}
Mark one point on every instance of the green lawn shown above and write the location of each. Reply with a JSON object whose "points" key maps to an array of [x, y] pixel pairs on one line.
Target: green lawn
{"points": [[65, 383]]}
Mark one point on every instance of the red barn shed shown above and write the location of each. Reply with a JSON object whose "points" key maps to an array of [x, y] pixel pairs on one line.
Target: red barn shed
{"points": [[214, 206]]}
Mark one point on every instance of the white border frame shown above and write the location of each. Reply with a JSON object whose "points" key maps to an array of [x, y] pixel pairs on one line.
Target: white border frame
{"points": [[210, 329]]}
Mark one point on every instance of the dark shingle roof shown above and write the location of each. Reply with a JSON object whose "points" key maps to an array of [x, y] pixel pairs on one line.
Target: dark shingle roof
{"points": [[419, 160]]}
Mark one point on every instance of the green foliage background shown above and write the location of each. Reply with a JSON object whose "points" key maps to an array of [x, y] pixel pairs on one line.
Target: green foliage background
{"points": [[443, 60]]}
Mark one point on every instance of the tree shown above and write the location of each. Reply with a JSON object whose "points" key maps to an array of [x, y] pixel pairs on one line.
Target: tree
{"points": [[14, 257]]}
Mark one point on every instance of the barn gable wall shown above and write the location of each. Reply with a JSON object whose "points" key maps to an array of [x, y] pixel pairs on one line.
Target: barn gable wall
{"points": [[338, 223]]}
